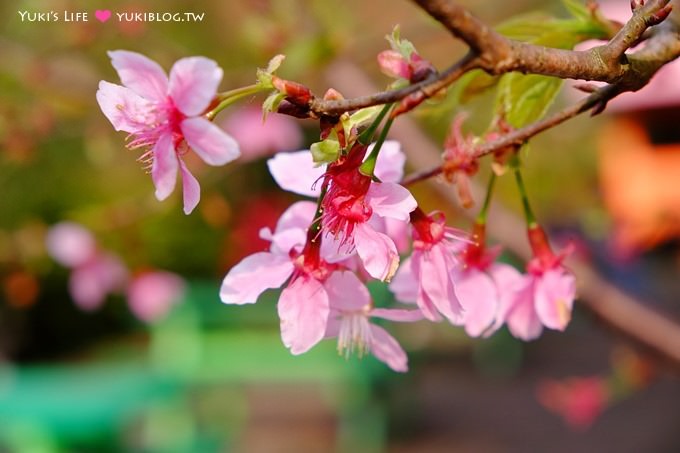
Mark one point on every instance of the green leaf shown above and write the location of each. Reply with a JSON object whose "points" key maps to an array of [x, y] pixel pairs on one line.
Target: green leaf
{"points": [[473, 84], [271, 104], [526, 98], [403, 46], [359, 118], [325, 151], [578, 9]]}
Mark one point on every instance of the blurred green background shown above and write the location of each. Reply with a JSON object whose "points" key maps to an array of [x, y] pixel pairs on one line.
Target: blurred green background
{"points": [[209, 377]]}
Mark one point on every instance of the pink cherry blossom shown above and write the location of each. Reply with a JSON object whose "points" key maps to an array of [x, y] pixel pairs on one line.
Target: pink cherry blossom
{"points": [[428, 276], [164, 116], [352, 200], [483, 285], [152, 294], [349, 322], [304, 304], [544, 297], [258, 138]]}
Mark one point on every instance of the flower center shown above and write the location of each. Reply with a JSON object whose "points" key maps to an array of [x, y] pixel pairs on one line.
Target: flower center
{"points": [[355, 334]]}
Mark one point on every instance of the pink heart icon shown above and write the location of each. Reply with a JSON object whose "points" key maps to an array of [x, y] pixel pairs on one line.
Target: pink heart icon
{"points": [[102, 15]]}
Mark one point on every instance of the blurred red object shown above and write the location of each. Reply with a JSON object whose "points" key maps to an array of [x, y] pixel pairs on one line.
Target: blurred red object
{"points": [[580, 401]]}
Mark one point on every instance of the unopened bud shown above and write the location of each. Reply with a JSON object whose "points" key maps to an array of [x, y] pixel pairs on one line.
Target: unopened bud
{"points": [[295, 92], [298, 111]]}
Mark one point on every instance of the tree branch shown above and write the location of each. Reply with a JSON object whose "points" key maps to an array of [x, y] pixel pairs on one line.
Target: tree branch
{"points": [[497, 54]]}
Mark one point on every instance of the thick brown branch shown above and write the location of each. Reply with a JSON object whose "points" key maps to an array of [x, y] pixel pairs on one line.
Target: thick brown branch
{"points": [[606, 63]]}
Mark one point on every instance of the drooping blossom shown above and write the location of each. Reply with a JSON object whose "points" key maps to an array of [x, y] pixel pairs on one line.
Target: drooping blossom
{"points": [[257, 138], [164, 116], [545, 296], [293, 257], [483, 285], [349, 322], [353, 203], [460, 161], [428, 276], [580, 401], [152, 294], [95, 273]]}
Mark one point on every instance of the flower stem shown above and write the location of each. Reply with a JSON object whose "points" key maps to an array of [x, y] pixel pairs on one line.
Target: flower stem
{"points": [[481, 217], [367, 135], [528, 213], [227, 98], [368, 167]]}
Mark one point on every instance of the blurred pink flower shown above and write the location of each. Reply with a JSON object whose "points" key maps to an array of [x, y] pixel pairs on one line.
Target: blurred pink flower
{"points": [[258, 138], [349, 322], [70, 244], [95, 274], [164, 116], [151, 295], [580, 401], [92, 281]]}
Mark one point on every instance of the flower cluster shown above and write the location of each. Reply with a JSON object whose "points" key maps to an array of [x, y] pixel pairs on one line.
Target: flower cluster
{"points": [[324, 255], [96, 273]]}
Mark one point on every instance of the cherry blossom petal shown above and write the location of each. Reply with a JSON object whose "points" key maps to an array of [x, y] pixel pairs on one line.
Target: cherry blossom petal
{"points": [[298, 215], [70, 244], [390, 164], [254, 275], [303, 310], [521, 319], [141, 74], [391, 200], [377, 252], [295, 172], [285, 241], [193, 84], [346, 292], [191, 190], [405, 284], [554, 297], [211, 143], [479, 297], [435, 278], [508, 282], [386, 349], [125, 109], [164, 167]]}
